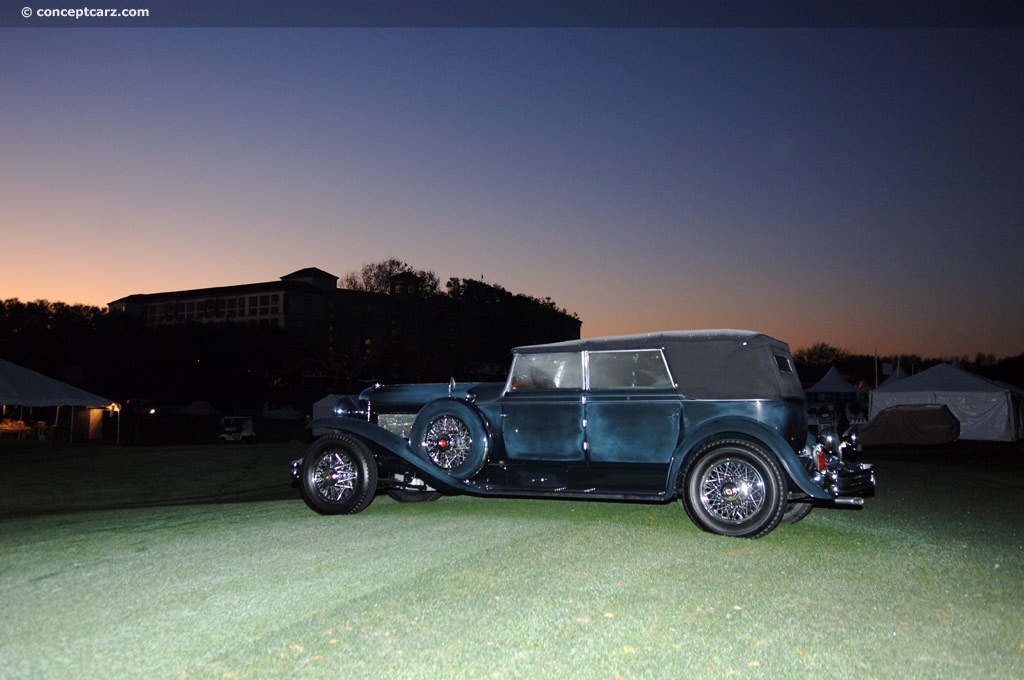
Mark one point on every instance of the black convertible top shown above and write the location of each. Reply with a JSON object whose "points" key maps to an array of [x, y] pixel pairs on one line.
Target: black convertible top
{"points": [[706, 364]]}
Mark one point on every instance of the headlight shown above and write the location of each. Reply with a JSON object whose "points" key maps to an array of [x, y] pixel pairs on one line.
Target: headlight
{"points": [[347, 407], [342, 407]]}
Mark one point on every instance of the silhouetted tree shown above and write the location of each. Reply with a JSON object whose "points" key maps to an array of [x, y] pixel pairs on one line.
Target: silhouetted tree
{"points": [[820, 354], [379, 277], [53, 338]]}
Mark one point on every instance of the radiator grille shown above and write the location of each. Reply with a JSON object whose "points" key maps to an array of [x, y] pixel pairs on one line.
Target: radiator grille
{"points": [[397, 423]]}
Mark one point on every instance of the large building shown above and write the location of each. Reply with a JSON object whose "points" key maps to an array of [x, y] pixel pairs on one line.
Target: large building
{"points": [[400, 334], [299, 300]]}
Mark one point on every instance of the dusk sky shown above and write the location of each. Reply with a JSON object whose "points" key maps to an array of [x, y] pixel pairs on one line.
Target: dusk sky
{"points": [[859, 187]]}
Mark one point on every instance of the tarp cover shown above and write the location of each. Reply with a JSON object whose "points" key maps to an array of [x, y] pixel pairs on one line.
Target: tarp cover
{"points": [[924, 425], [986, 410], [20, 386]]}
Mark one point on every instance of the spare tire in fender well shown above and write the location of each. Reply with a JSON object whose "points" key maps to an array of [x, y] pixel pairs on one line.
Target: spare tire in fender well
{"points": [[452, 435]]}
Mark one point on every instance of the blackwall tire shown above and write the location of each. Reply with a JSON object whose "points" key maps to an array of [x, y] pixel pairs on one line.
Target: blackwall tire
{"points": [[451, 435], [413, 496], [338, 475], [796, 511], [734, 488]]}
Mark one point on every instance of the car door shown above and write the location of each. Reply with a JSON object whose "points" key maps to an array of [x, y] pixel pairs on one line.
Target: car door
{"points": [[633, 411], [542, 409]]}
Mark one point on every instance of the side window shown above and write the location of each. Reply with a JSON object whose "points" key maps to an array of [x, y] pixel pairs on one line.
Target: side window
{"points": [[642, 369], [556, 371], [784, 363]]}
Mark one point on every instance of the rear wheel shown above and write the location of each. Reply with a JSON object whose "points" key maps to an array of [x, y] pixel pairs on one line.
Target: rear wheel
{"points": [[339, 475], [734, 488]]}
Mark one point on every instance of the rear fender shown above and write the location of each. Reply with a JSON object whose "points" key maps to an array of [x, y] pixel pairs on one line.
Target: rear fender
{"points": [[753, 431]]}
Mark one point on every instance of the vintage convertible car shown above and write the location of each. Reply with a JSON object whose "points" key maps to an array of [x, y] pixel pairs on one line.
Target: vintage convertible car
{"points": [[714, 418]]}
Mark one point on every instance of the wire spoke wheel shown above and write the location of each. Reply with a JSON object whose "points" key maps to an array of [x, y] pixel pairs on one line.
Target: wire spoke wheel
{"points": [[732, 491], [335, 476], [452, 435], [734, 487], [448, 442], [338, 475]]}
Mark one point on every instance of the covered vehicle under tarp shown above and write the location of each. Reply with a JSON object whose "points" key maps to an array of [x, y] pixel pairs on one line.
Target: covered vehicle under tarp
{"points": [[916, 425], [986, 410]]}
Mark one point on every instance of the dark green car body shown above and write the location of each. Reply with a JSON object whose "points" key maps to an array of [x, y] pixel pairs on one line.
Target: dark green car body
{"points": [[716, 419]]}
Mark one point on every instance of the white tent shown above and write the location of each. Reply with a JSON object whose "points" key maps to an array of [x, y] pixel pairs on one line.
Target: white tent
{"points": [[986, 410], [832, 387], [899, 374], [20, 386]]}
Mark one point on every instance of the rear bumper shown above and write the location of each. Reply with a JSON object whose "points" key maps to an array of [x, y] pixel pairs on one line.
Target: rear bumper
{"points": [[849, 481]]}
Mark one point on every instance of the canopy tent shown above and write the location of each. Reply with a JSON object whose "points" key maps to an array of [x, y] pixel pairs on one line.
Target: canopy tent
{"points": [[986, 410], [20, 386], [833, 387], [899, 374]]}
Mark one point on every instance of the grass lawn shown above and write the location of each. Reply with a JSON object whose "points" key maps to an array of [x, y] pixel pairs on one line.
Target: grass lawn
{"points": [[202, 562]]}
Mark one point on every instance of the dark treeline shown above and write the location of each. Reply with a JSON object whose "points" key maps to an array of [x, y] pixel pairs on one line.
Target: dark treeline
{"points": [[116, 356], [423, 334], [466, 332]]}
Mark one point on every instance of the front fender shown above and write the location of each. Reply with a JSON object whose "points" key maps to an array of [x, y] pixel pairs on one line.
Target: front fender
{"points": [[396, 446], [748, 429]]}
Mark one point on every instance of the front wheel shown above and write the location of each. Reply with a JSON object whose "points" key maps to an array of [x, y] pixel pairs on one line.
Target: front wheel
{"points": [[734, 488], [338, 476]]}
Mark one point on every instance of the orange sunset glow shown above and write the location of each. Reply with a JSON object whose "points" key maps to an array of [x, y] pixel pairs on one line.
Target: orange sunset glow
{"points": [[859, 188]]}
